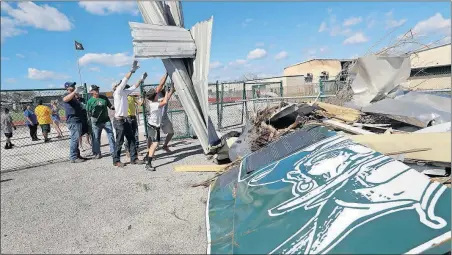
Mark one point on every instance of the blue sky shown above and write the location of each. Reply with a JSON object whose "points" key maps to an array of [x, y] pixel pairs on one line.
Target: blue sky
{"points": [[260, 38]]}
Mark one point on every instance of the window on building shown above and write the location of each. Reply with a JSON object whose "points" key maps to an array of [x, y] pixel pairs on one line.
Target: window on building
{"points": [[308, 78]]}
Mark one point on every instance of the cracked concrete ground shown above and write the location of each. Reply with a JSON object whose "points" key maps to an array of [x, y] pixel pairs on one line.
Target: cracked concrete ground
{"points": [[93, 207]]}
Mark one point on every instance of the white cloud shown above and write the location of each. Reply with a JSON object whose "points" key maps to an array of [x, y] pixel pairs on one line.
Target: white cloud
{"points": [[312, 51], [391, 22], [352, 21], [11, 80], [238, 62], [94, 69], [257, 54], [35, 74], [260, 44], [215, 65], [109, 7], [118, 59], [329, 10], [434, 24], [5, 58], [37, 16], [338, 30], [51, 86], [281, 55], [9, 28], [20, 55], [246, 22], [356, 38], [322, 27]]}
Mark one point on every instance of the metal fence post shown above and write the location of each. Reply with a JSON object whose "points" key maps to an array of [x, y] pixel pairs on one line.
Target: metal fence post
{"points": [[321, 90], [143, 108], [221, 105], [281, 89], [217, 95]]}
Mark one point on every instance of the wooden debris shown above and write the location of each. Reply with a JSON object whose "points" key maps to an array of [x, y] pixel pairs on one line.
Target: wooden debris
{"points": [[439, 144], [347, 128], [343, 113]]}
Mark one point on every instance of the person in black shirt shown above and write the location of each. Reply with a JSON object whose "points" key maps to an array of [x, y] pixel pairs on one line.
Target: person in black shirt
{"points": [[74, 119]]}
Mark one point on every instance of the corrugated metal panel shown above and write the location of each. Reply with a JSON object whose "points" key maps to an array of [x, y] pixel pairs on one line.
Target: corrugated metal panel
{"points": [[156, 41], [177, 17], [202, 34], [153, 13]]}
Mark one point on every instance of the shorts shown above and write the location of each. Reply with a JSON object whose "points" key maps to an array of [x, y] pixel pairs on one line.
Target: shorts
{"points": [[45, 128], [8, 135], [153, 133], [167, 126]]}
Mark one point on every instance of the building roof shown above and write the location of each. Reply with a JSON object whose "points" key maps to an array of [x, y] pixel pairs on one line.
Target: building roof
{"points": [[318, 59], [431, 48]]}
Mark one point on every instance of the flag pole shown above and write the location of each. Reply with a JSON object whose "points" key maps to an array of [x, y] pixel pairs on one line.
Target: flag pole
{"points": [[78, 66]]}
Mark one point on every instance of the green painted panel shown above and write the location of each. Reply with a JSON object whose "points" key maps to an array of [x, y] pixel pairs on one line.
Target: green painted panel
{"points": [[334, 196]]}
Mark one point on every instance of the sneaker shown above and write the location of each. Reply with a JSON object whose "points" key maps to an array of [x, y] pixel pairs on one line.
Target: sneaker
{"points": [[79, 160], [137, 162], [165, 148], [80, 157], [149, 167], [97, 156], [47, 140], [118, 164], [8, 147]]}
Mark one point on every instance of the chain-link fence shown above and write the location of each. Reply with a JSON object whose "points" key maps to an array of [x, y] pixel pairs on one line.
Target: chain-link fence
{"points": [[230, 104], [176, 114], [27, 151]]}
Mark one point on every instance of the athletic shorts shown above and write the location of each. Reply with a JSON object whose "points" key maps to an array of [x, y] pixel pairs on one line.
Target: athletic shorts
{"points": [[153, 133], [8, 135], [167, 126], [45, 128]]}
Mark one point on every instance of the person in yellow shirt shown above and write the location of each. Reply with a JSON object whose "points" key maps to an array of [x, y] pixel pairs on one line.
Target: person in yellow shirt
{"points": [[132, 119], [44, 113]]}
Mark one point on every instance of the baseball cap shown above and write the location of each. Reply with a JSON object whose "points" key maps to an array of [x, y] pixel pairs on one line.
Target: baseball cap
{"points": [[69, 84], [93, 87]]}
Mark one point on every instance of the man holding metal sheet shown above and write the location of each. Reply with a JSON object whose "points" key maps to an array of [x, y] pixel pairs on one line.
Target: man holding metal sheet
{"points": [[120, 123]]}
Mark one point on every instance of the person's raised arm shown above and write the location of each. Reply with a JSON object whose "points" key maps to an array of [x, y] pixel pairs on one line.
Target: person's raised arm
{"points": [[126, 78], [141, 80], [171, 92], [161, 83], [69, 96], [164, 101]]}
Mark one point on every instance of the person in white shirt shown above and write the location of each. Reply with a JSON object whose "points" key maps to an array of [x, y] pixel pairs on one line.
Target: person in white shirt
{"points": [[121, 125], [154, 120]]}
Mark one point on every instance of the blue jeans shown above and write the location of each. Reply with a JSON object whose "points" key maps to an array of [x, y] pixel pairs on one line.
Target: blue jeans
{"points": [[97, 131], [133, 122], [76, 130]]}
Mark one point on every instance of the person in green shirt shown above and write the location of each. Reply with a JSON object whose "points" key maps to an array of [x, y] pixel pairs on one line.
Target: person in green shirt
{"points": [[97, 108]]}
